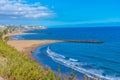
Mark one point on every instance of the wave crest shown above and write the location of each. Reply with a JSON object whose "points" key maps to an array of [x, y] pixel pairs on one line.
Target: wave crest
{"points": [[76, 65]]}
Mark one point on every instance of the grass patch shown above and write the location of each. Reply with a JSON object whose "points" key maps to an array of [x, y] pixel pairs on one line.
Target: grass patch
{"points": [[19, 67]]}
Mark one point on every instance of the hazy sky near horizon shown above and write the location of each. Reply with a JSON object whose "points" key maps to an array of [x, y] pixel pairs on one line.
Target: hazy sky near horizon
{"points": [[59, 12]]}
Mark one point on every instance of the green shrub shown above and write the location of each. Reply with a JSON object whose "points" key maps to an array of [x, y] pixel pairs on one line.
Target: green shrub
{"points": [[19, 67]]}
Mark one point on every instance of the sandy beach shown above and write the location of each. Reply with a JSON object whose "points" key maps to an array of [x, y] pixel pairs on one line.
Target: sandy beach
{"points": [[13, 34], [27, 46]]}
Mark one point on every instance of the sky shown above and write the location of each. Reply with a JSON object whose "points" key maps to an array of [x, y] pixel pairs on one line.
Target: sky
{"points": [[60, 12]]}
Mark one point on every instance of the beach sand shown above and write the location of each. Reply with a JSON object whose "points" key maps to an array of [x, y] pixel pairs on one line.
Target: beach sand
{"points": [[13, 34], [27, 46]]}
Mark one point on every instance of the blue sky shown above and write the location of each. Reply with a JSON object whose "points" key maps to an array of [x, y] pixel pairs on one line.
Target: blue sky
{"points": [[54, 12]]}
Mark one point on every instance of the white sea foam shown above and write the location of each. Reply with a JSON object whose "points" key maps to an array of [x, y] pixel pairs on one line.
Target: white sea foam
{"points": [[74, 60], [53, 54], [74, 64]]}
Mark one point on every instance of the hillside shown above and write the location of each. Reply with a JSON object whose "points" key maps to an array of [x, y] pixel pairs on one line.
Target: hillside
{"points": [[16, 66]]}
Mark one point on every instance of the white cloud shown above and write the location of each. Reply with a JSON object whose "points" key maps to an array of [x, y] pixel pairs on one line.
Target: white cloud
{"points": [[20, 9]]}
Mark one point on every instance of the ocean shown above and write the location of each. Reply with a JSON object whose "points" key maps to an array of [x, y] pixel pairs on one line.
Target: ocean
{"points": [[88, 59]]}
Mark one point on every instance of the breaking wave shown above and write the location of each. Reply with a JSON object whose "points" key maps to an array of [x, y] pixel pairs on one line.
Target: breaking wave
{"points": [[78, 66]]}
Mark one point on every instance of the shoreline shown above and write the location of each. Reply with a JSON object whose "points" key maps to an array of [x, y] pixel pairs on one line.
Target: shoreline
{"points": [[13, 34], [27, 46]]}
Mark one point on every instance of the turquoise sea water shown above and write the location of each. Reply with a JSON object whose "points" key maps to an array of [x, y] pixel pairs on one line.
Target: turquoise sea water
{"points": [[82, 58]]}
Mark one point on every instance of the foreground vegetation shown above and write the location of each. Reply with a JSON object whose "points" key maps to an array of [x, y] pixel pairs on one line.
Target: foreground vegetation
{"points": [[14, 65]]}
